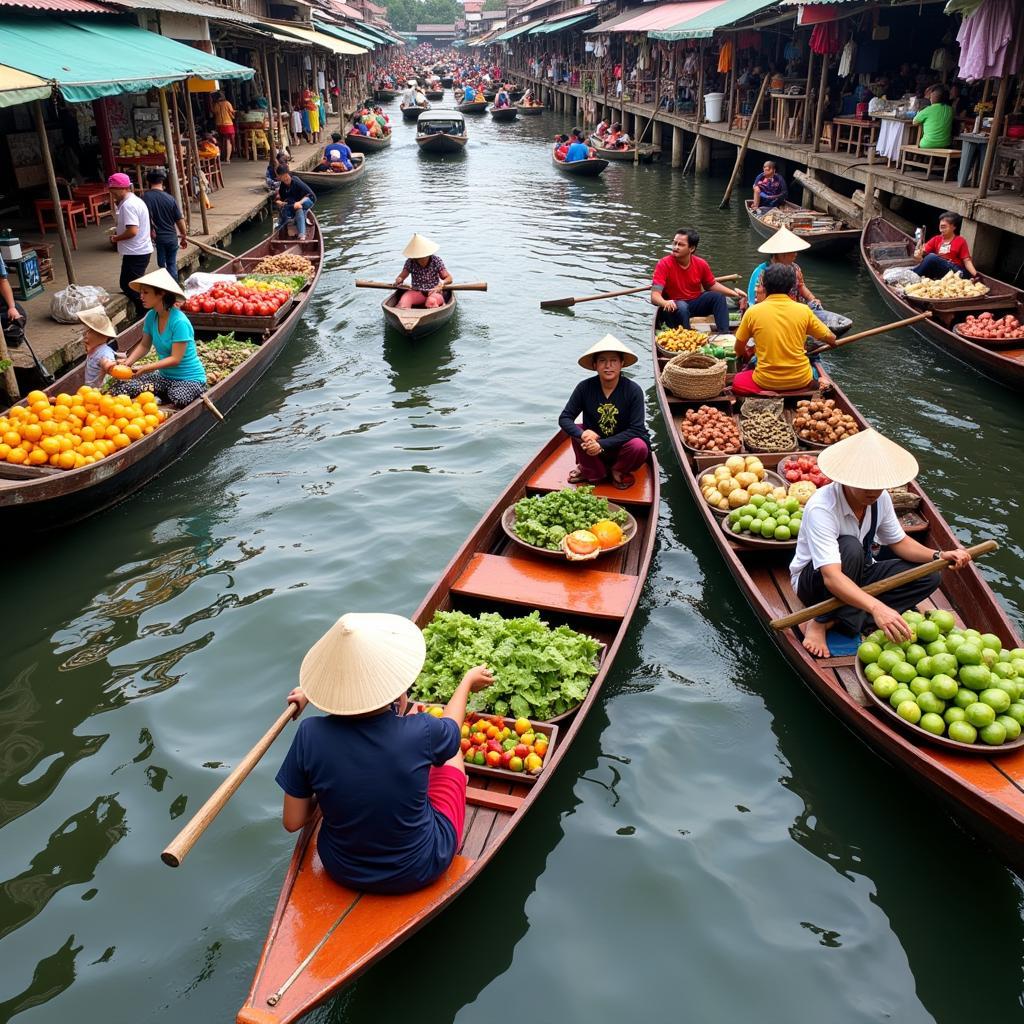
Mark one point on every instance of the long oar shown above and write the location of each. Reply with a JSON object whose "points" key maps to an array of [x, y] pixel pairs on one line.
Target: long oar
{"points": [[212, 250], [208, 402], [179, 847], [907, 576], [576, 300], [480, 286], [868, 333]]}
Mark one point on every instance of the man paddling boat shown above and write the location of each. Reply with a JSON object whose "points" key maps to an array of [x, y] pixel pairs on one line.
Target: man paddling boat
{"points": [[836, 547]]}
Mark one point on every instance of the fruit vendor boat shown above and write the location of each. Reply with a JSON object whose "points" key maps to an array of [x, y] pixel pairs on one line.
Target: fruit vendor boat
{"points": [[883, 246], [984, 789], [40, 498], [323, 935], [417, 322], [817, 229], [367, 143], [648, 151], [590, 168], [473, 107], [385, 94], [331, 181]]}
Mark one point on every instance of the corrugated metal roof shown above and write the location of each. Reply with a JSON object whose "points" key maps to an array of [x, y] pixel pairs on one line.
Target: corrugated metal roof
{"points": [[661, 16], [704, 24], [187, 7], [64, 6]]}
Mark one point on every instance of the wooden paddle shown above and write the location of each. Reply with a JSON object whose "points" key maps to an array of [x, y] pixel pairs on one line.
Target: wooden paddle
{"points": [[907, 576], [208, 402], [183, 842], [573, 301], [212, 250], [867, 334], [391, 286]]}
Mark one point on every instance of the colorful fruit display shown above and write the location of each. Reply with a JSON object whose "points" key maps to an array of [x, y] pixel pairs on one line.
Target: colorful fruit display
{"points": [[149, 146], [988, 328], [495, 743], [233, 298], [546, 520], [734, 482], [819, 421], [286, 263], [72, 431], [272, 282], [803, 467], [681, 339], [708, 429], [767, 518], [219, 356], [947, 681], [952, 286]]}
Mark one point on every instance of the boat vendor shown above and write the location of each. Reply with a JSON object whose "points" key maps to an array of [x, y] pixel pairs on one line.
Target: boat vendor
{"points": [[770, 188], [429, 275], [99, 356], [684, 286], [391, 824], [409, 97], [294, 198], [612, 439], [177, 375], [617, 138], [337, 156], [842, 522], [778, 328], [469, 94], [781, 248], [946, 251], [561, 146]]}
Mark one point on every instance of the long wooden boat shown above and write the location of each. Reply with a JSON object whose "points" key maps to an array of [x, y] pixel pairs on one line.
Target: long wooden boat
{"points": [[581, 168], [385, 94], [418, 322], [412, 112], [331, 181], [530, 110], [487, 574], [648, 151], [881, 246], [477, 106], [503, 114], [367, 143], [447, 81], [986, 791], [819, 239], [37, 498], [434, 94]]}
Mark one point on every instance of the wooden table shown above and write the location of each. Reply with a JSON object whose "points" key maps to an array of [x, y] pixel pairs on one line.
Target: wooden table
{"points": [[972, 156], [130, 164], [788, 114], [848, 135], [96, 198]]}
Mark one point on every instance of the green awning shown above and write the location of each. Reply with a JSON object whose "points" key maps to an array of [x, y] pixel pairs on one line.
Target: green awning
{"points": [[703, 26], [513, 32], [348, 34], [548, 28], [377, 33], [89, 59]]}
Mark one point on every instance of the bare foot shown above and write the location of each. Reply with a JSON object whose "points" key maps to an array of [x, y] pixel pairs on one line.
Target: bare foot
{"points": [[814, 638]]}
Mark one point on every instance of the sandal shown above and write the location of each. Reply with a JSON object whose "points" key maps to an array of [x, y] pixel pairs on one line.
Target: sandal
{"points": [[576, 476], [624, 482]]}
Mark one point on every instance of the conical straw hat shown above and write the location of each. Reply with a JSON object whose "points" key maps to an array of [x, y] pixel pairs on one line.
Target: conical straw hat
{"points": [[609, 343], [783, 241], [362, 663], [97, 320], [869, 461], [159, 279], [420, 246]]}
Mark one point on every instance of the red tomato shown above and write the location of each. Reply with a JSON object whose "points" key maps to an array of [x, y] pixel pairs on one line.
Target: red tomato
{"points": [[248, 309], [209, 306], [223, 305], [237, 307], [263, 309]]}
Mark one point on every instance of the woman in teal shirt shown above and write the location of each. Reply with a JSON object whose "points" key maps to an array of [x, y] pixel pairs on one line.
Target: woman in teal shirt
{"points": [[937, 119], [177, 375]]}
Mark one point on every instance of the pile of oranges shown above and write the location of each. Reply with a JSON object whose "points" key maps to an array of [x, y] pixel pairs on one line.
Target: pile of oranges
{"points": [[71, 431]]}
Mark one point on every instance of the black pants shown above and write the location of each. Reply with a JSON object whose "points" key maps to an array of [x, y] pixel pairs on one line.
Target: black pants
{"points": [[133, 267], [4, 320], [811, 587]]}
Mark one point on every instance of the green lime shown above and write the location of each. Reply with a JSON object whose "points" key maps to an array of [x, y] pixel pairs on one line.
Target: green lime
{"points": [[965, 697], [927, 632], [901, 695], [927, 701], [968, 654], [887, 659], [885, 686], [903, 672], [944, 687], [1011, 725], [994, 734], [998, 700], [1016, 711], [991, 641], [943, 619], [962, 732], [980, 715], [873, 671], [952, 715], [915, 652], [909, 710], [919, 685], [932, 723]]}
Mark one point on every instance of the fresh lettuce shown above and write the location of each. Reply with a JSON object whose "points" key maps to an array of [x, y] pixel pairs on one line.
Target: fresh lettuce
{"points": [[545, 519]]}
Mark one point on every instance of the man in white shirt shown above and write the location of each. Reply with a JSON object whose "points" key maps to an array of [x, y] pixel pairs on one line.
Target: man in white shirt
{"points": [[409, 96], [131, 237], [842, 523]]}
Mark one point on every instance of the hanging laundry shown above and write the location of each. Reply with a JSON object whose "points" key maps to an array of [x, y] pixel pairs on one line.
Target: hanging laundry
{"points": [[725, 57], [825, 38], [988, 48], [849, 55]]}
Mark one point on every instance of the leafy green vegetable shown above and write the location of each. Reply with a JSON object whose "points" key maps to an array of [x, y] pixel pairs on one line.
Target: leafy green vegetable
{"points": [[547, 518], [294, 282], [539, 672]]}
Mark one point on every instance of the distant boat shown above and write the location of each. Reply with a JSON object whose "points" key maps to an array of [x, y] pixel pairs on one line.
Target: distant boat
{"points": [[441, 131]]}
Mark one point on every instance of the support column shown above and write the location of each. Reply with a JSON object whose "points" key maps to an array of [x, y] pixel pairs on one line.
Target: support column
{"points": [[268, 89], [193, 146], [703, 153], [51, 180], [993, 140], [281, 114], [819, 116], [99, 111], [172, 156], [677, 146]]}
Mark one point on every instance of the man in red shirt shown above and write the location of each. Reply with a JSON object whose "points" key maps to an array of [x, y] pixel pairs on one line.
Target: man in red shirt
{"points": [[684, 286]]}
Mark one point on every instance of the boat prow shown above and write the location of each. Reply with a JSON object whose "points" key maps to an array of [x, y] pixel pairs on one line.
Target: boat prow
{"points": [[418, 321]]}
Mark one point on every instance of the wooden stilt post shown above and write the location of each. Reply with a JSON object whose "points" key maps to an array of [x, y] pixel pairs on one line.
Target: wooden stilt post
{"points": [[993, 138], [172, 161], [819, 115], [735, 76], [268, 89], [51, 180], [742, 151], [181, 162], [806, 126], [282, 114], [193, 146]]}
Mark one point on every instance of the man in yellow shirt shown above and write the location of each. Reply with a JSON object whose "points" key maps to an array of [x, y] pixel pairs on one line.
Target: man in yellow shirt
{"points": [[778, 327]]}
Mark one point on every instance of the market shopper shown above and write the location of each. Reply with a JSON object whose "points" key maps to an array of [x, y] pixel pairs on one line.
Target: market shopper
{"points": [[937, 119], [390, 824], [611, 439], [224, 119], [177, 375], [131, 236], [684, 286], [10, 311], [770, 189], [429, 274], [294, 199], [167, 225], [835, 549], [947, 251]]}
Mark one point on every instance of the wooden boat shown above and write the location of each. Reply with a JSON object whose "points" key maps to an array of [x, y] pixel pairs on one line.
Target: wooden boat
{"points": [[475, 107], [447, 81], [841, 236], [385, 94], [441, 131], [883, 245], [331, 181], [581, 168], [648, 151], [503, 114], [37, 498], [412, 112], [340, 932], [531, 110], [417, 323], [982, 789], [367, 143], [434, 94]]}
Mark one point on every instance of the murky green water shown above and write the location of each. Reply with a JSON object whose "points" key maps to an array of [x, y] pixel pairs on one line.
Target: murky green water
{"points": [[714, 848]]}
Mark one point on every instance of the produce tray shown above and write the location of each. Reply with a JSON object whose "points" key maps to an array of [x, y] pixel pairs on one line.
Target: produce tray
{"points": [[508, 518], [542, 728], [783, 465], [224, 322], [888, 712], [748, 540], [769, 477], [973, 302], [752, 450], [989, 342]]}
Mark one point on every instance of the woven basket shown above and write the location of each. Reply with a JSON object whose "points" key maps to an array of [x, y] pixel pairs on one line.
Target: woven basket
{"points": [[694, 376], [904, 500]]}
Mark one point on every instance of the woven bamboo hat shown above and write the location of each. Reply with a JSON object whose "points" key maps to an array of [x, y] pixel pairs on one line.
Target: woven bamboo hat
{"points": [[362, 663], [97, 320], [869, 461], [609, 343], [159, 279], [783, 241], [420, 246]]}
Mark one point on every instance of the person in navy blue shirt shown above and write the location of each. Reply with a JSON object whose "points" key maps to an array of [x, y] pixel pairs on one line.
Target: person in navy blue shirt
{"points": [[612, 438], [337, 156], [391, 787], [294, 198]]}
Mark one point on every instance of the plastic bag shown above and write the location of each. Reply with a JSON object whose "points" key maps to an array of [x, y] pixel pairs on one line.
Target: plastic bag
{"points": [[900, 277], [202, 282], [73, 299], [835, 322]]}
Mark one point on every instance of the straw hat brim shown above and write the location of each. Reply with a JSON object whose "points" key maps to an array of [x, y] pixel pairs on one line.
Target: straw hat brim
{"points": [[869, 461], [783, 241], [159, 279], [362, 663], [420, 246], [609, 343], [96, 319]]}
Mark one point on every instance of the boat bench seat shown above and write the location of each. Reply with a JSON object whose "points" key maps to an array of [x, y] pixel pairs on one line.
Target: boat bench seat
{"points": [[547, 584], [553, 475]]}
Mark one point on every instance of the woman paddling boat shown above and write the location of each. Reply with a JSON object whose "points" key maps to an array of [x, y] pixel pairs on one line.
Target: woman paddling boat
{"points": [[428, 272]]}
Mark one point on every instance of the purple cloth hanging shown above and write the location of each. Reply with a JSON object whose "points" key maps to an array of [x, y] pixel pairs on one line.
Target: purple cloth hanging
{"points": [[988, 48]]}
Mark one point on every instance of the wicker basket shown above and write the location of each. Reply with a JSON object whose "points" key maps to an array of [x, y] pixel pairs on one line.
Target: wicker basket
{"points": [[694, 377], [904, 500]]}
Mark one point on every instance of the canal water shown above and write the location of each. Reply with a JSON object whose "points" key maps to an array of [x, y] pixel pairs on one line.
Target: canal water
{"points": [[714, 848]]}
